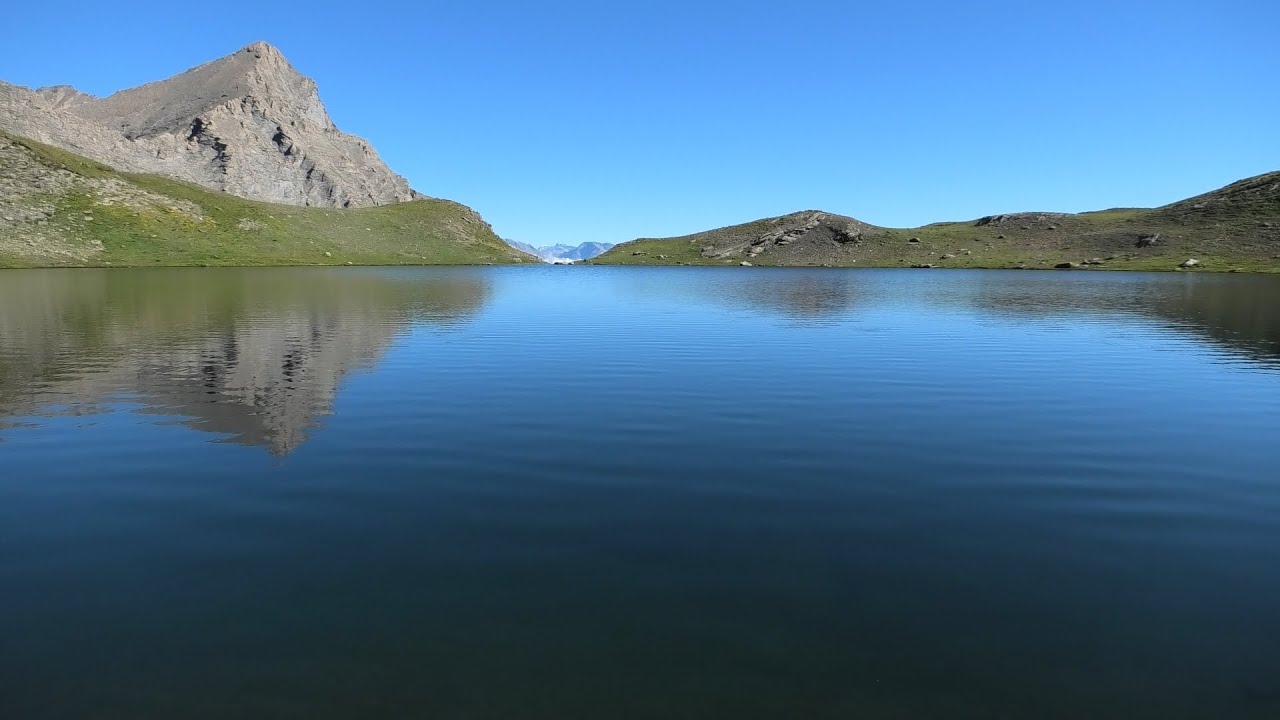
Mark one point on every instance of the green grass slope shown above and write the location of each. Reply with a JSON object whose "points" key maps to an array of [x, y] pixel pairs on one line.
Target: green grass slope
{"points": [[60, 209], [1236, 228]]}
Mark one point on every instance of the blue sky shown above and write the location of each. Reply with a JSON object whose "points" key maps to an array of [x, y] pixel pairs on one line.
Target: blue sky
{"points": [[575, 121]]}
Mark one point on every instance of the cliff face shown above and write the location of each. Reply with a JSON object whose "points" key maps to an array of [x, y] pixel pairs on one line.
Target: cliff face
{"points": [[248, 124]]}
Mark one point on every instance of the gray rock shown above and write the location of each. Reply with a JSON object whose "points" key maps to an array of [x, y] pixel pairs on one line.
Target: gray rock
{"points": [[947, 256], [1148, 240], [1189, 263], [1065, 265], [248, 124], [744, 263]]}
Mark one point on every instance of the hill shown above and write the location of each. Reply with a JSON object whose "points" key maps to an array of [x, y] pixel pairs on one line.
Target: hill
{"points": [[1234, 228], [61, 209]]}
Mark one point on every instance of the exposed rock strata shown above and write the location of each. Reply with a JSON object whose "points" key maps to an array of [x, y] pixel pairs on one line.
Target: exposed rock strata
{"points": [[248, 124]]}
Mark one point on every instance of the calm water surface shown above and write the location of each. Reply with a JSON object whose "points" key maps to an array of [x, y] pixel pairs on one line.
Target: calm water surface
{"points": [[638, 493]]}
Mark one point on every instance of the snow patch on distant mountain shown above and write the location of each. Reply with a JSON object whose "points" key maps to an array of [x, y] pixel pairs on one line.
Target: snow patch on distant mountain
{"points": [[562, 253]]}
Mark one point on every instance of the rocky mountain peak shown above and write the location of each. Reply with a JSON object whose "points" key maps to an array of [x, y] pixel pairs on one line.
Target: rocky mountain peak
{"points": [[259, 75], [249, 124], [262, 49]]}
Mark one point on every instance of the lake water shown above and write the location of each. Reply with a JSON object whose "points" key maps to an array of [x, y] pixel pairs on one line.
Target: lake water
{"points": [[638, 493]]}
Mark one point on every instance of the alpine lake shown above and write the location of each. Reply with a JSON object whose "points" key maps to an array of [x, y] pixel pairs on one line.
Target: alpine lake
{"points": [[591, 492]]}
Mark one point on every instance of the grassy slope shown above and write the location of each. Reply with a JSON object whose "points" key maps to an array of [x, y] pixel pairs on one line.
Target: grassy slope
{"points": [[1233, 229], [235, 231]]}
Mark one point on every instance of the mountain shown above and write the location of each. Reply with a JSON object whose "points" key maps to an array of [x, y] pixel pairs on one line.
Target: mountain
{"points": [[61, 209], [248, 124], [1234, 228], [584, 251], [560, 252], [525, 247]]}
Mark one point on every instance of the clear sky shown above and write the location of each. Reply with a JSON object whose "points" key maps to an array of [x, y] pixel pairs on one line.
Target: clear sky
{"points": [[571, 121]]}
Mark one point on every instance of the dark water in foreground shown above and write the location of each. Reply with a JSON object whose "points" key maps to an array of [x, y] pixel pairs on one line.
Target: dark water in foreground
{"points": [[635, 493]]}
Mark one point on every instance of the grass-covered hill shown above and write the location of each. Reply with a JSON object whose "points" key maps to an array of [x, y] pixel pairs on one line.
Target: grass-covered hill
{"points": [[60, 209], [1234, 228]]}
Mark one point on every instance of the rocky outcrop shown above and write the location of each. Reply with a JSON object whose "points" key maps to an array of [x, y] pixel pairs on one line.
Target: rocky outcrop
{"points": [[794, 234], [1023, 220], [248, 124]]}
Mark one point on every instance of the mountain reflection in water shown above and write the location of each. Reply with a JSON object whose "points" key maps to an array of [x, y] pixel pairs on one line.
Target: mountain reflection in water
{"points": [[257, 355], [254, 354]]}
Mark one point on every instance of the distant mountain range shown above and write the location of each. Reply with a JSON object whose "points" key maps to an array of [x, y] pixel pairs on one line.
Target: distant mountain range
{"points": [[562, 253]]}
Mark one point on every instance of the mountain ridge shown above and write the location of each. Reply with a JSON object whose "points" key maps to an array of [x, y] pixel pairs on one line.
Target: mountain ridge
{"points": [[1236, 227], [248, 124]]}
